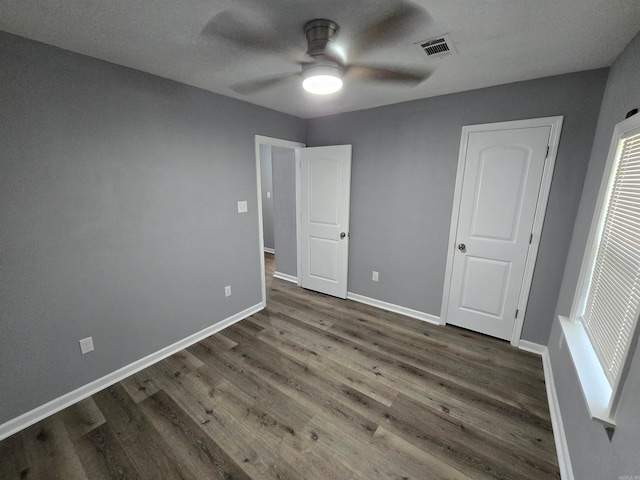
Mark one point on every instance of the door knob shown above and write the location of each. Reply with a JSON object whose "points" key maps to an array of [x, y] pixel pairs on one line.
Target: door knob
{"points": [[342, 235], [462, 247]]}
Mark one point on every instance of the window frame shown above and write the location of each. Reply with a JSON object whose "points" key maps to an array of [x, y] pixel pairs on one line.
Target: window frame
{"points": [[601, 396]]}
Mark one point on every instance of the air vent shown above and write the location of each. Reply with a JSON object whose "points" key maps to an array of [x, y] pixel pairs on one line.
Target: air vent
{"points": [[437, 46]]}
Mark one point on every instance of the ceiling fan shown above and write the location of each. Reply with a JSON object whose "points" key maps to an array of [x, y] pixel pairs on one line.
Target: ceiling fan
{"points": [[323, 67]]}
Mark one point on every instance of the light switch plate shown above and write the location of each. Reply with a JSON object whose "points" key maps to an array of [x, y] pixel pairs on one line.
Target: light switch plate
{"points": [[268, 194], [86, 345], [242, 206]]}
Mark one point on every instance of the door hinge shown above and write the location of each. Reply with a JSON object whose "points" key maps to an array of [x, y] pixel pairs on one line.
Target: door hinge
{"points": [[531, 239], [548, 148], [517, 313]]}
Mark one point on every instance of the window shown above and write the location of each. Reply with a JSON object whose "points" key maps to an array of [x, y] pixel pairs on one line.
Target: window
{"points": [[600, 332]]}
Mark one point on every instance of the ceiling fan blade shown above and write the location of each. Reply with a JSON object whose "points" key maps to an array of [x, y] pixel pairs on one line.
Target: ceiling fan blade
{"points": [[232, 27], [402, 21], [379, 74], [252, 86]]}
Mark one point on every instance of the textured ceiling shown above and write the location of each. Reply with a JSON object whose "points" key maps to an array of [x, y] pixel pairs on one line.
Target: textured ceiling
{"points": [[498, 41]]}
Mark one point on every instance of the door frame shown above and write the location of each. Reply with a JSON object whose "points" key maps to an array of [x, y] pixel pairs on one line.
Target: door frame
{"points": [[543, 197], [296, 146]]}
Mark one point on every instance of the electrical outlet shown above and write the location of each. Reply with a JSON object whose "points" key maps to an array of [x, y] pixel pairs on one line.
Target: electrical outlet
{"points": [[86, 345], [375, 276], [227, 291], [242, 206]]}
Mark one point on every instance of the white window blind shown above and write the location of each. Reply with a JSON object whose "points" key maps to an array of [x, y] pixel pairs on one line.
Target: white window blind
{"points": [[613, 299]]}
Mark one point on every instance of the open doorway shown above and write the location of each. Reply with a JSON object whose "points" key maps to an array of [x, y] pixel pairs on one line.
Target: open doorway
{"points": [[277, 167]]}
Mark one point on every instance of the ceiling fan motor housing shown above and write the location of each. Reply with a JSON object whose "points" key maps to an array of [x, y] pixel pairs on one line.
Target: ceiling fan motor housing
{"points": [[319, 33]]}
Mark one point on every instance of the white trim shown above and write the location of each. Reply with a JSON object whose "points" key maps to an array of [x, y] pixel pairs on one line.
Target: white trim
{"points": [[559, 436], [39, 413], [543, 196], [298, 219], [284, 276], [263, 280], [269, 250], [531, 347], [278, 142], [425, 317], [538, 222], [596, 388], [274, 142]]}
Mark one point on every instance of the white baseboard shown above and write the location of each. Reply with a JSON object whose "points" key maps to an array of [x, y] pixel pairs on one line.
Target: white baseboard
{"points": [[532, 347], [284, 276], [564, 461], [39, 413], [425, 317], [559, 437], [269, 250]]}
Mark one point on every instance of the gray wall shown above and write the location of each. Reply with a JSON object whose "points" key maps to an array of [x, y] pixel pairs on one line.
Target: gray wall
{"points": [[593, 456], [266, 181], [118, 219], [403, 175], [284, 199]]}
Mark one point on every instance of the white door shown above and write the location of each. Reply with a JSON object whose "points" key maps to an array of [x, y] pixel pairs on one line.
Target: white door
{"points": [[325, 184], [502, 176]]}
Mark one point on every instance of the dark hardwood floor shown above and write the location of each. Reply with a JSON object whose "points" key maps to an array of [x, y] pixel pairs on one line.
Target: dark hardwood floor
{"points": [[312, 387]]}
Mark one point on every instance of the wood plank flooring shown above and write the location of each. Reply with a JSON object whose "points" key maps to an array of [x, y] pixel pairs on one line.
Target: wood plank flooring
{"points": [[312, 387]]}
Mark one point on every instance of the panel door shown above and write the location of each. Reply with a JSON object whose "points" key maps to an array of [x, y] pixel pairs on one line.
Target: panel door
{"points": [[325, 184], [501, 182]]}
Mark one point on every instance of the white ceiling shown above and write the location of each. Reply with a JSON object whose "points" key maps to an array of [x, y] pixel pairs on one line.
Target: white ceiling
{"points": [[498, 41]]}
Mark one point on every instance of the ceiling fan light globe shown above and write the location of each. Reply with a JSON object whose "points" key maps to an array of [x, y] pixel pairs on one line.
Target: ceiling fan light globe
{"points": [[322, 84], [322, 77]]}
